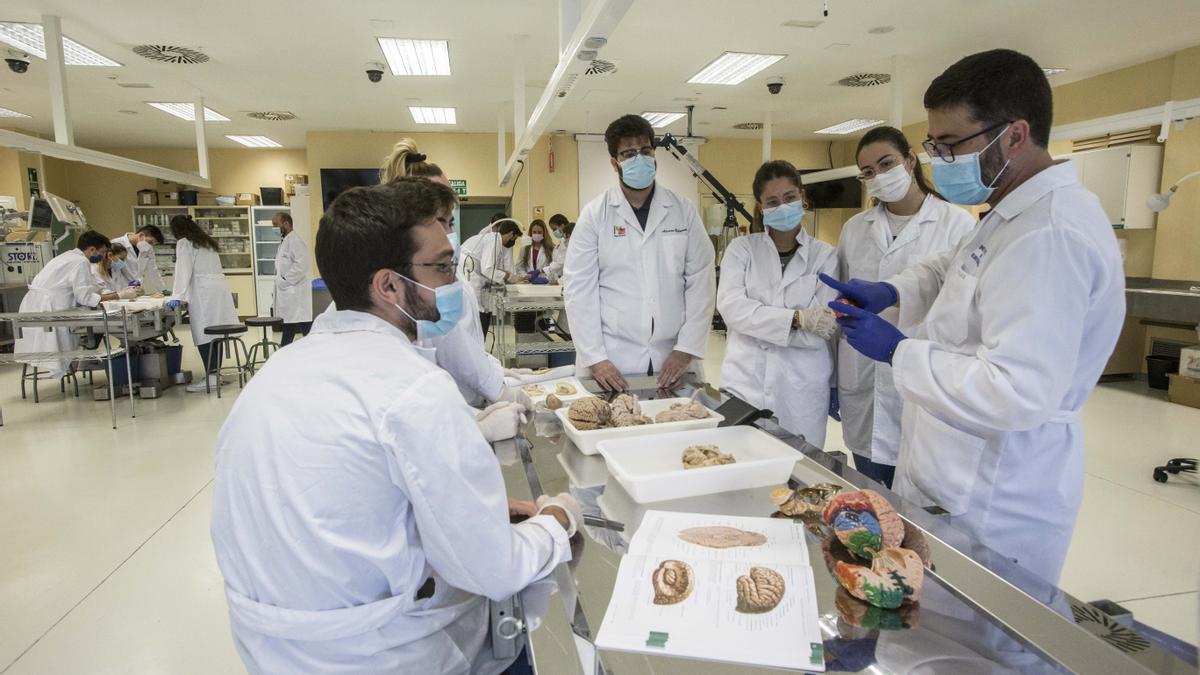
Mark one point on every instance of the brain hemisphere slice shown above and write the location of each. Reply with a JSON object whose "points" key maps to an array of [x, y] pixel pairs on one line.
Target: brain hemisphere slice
{"points": [[760, 591]]}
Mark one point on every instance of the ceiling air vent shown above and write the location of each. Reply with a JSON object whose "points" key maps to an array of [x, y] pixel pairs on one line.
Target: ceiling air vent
{"points": [[600, 67], [170, 54], [865, 80], [272, 115], [749, 126]]}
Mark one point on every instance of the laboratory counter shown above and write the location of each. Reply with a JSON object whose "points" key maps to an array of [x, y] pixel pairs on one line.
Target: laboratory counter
{"points": [[979, 612]]}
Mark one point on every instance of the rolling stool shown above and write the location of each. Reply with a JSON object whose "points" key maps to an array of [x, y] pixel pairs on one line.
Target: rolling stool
{"points": [[227, 339], [265, 345], [30, 373]]}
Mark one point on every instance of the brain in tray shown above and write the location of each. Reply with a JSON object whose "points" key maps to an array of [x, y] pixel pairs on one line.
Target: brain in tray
{"points": [[682, 412], [698, 456], [589, 413]]}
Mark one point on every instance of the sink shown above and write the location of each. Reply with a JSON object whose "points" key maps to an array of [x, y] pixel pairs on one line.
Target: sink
{"points": [[1163, 301]]}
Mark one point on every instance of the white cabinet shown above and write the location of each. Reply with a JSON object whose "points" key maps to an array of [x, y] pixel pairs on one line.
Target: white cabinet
{"points": [[1123, 177]]}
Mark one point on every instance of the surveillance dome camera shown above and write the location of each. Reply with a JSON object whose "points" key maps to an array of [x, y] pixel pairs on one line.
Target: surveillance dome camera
{"points": [[375, 71], [18, 62], [775, 85]]}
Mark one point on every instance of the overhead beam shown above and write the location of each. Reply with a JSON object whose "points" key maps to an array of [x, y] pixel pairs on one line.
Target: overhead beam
{"points": [[518, 85], [74, 153], [201, 138], [56, 67], [593, 30], [766, 137]]}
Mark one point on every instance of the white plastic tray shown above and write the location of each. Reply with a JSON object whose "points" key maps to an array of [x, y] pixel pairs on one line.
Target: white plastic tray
{"points": [[650, 469], [586, 440], [548, 388], [535, 290]]}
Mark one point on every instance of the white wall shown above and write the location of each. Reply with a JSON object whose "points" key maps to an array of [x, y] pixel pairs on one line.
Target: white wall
{"points": [[596, 174]]}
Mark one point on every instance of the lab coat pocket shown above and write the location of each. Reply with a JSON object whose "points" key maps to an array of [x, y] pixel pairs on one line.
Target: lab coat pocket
{"points": [[947, 322], [944, 461], [674, 251]]}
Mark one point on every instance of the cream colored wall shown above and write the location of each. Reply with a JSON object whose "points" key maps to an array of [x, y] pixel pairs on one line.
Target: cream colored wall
{"points": [[1177, 237], [10, 176]]}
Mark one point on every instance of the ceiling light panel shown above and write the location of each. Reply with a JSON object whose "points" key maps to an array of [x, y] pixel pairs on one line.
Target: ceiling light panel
{"points": [[416, 57], [1053, 71], [254, 141], [661, 119], [733, 68], [849, 126], [5, 112], [28, 37], [187, 111], [425, 115]]}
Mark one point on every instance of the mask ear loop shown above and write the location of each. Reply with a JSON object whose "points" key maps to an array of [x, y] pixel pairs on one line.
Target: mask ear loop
{"points": [[992, 185]]}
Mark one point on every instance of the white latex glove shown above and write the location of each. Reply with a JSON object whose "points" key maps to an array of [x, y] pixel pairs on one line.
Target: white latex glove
{"points": [[568, 504], [500, 421], [128, 293], [817, 320], [515, 395], [518, 372]]}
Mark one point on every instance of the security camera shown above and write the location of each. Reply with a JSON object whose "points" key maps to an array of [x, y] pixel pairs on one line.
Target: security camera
{"points": [[775, 85], [375, 72], [18, 62]]}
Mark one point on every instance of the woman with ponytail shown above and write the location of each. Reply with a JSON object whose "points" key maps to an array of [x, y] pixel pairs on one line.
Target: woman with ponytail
{"points": [[200, 282]]}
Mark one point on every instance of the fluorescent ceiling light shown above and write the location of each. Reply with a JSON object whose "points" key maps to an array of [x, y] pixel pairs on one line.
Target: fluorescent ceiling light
{"points": [[424, 115], [733, 67], [5, 112], [187, 111], [661, 119], [849, 126], [254, 141], [1053, 71], [28, 37], [416, 57]]}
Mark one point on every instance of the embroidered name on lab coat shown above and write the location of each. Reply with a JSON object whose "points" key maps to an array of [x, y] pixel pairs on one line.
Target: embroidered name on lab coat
{"points": [[677, 230], [977, 257]]}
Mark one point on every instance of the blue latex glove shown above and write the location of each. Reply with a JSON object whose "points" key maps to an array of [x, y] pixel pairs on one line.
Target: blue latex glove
{"points": [[835, 407], [540, 281], [873, 296], [869, 333], [171, 304]]}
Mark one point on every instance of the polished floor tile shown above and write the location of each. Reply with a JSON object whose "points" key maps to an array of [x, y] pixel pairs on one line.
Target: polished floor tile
{"points": [[1176, 614]]}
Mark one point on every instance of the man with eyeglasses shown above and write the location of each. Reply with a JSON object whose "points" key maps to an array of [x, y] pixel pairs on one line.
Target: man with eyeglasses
{"points": [[638, 283], [359, 517], [1015, 325]]}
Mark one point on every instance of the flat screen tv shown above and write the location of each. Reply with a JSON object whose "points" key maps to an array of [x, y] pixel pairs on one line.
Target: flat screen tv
{"points": [[336, 181], [843, 193]]}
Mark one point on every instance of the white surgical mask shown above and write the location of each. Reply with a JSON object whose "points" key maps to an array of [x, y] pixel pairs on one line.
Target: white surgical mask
{"points": [[891, 185]]}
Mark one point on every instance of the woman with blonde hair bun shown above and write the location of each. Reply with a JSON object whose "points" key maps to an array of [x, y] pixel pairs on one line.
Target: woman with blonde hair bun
{"points": [[406, 160]]}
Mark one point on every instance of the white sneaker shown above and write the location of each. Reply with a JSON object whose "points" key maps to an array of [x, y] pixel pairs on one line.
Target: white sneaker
{"points": [[202, 386]]}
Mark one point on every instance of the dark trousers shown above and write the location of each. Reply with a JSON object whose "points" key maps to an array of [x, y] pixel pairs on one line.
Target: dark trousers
{"points": [[291, 329], [880, 473], [485, 321], [216, 357]]}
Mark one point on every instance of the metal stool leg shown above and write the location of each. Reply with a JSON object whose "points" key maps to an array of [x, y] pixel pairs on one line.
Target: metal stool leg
{"points": [[24, 373], [252, 358], [36, 398], [207, 368]]}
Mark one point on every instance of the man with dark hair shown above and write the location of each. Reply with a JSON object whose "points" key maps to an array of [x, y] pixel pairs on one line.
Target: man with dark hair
{"points": [[638, 282], [142, 265], [65, 282], [293, 282], [1013, 327], [359, 516]]}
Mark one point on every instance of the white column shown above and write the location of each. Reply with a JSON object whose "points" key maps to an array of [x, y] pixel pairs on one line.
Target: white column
{"points": [[60, 108], [501, 154], [568, 19], [766, 137], [520, 115], [201, 138], [897, 117]]}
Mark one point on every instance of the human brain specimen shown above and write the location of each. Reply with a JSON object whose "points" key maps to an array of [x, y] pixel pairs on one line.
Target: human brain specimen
{"points": [[697, 456], [589, 413], [760, 591], [673, 582], [682, 412]]}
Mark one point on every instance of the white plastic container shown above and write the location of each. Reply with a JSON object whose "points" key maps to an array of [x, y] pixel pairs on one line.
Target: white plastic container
{"points": [[548, 388], [534, 290], [650, 469], [586, 440]]}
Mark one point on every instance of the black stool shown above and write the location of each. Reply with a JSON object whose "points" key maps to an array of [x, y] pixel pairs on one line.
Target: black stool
{"points": [[227, 339], [265, 345]]}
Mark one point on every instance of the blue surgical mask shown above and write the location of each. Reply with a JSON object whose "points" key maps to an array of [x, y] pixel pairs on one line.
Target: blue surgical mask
{"points": [[449, 302], [95, 258], [118, 265], [452, 235], [558, 234], [785, 217], [961, 181], [637, 172]]}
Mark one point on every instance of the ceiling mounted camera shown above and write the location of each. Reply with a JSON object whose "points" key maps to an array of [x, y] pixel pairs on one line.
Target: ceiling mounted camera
{"points": [[18, 62], [775, 85], [375, 71]]}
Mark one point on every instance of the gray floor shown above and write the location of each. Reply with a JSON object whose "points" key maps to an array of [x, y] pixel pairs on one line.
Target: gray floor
{"points": [[106, 565]]}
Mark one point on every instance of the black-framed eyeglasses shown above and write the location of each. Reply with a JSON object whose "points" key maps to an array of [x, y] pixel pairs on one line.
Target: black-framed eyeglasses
{"points": [[443, 268], [647, 151], [884, 165], [946, 150]]}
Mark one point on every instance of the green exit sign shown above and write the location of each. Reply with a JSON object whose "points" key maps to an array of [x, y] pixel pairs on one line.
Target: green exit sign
{"points": [[459, 186]]}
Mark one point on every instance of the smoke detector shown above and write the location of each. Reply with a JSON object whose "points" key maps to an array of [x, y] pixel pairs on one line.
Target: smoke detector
{"points": [[865, 80], [272, 115], [749, 126], [170, 54], [600, 67]]}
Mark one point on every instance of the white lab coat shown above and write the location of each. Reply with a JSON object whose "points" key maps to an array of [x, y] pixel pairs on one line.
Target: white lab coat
{"points": [[200, 283], [767, 364], [349, 473], [544, 264], [1019, 322], [633, 296], [64, 283], [490, 260], [478, 374], [555, 268], [114, 282], [870, 406], [142, 265], [293, 281]]}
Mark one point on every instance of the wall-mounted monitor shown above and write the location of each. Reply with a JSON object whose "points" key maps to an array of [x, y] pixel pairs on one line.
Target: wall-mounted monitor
{"points": [[843, 193], [336, 181]]}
